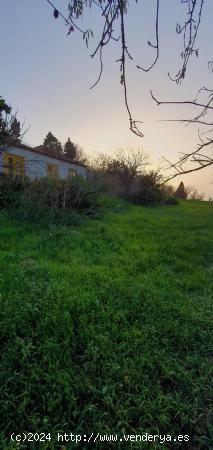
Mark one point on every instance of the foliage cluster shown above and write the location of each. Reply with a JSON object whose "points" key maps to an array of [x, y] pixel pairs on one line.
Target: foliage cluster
{"points": [[181, 191], [47, 200], [107, 328], [52, 143], [69, 149], [126, 174], [11, 190], [150, 191], [10, 128]]}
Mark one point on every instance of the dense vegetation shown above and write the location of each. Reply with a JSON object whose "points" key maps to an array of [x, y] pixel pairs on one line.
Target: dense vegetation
{"points": [[106, 327], [47, 201]]}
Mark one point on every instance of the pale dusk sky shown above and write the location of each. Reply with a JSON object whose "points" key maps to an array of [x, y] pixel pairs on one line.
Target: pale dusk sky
{"points": [[46, 75]]}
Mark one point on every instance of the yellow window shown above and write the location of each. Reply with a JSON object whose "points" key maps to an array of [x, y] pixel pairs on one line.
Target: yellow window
{"points": [[13, 165], [72, 173], [52, 170]]}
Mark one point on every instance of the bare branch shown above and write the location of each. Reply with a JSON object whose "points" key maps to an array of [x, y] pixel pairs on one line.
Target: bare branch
{"points": [[133, 123], [156, 46], [113, 12], [190, 31], [184, 102], [199, 158]]}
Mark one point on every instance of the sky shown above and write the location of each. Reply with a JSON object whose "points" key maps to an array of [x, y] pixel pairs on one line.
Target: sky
{"points": [[47, 75]]}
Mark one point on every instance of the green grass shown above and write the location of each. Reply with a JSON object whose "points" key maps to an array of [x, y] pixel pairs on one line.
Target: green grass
{"points": [[107, 327]]}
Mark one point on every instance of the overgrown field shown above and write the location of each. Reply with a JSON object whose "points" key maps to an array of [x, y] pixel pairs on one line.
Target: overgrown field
{"points": [[107, 328]]}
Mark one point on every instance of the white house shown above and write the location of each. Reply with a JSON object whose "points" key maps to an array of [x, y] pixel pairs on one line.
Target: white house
{"points": [[21, 160]]}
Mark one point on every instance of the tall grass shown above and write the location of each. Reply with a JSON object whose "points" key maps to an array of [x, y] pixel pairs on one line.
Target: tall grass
{"points": [[107, 327]]}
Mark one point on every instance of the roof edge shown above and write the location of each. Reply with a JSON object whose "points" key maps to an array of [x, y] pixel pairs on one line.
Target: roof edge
{"points": [[40, 152]]}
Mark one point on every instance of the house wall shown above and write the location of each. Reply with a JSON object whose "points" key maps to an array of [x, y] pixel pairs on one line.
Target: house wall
{"points": [[35, 164]]}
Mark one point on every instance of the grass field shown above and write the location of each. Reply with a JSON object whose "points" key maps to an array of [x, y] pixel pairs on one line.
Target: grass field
{"points": [[107, 327]]}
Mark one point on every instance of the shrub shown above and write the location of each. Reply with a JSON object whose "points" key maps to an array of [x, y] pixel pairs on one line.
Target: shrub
{"points": [[44, 200], [148, 190], [170, 200], [11, 190]]}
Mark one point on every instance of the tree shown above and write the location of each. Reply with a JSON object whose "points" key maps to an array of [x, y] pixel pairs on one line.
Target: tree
{"points": [[128, 164], [4, 108], [122, 169], [5, 111], [51, 143], [113, 17], [168, 189], [193, 194], [11, 131], [15, 131], [181, 191], [70, 149], [80, 155], [149, 189]]}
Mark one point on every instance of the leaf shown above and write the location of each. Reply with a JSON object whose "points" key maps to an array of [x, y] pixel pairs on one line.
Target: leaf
{"points": [[71, 29], [56, 13], [104, 390]]}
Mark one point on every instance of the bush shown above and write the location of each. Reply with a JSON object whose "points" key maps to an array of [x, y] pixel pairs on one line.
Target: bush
{"points": [[44, 200], [148, 191], [170, 200], [11, 190], [62, 194]]}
